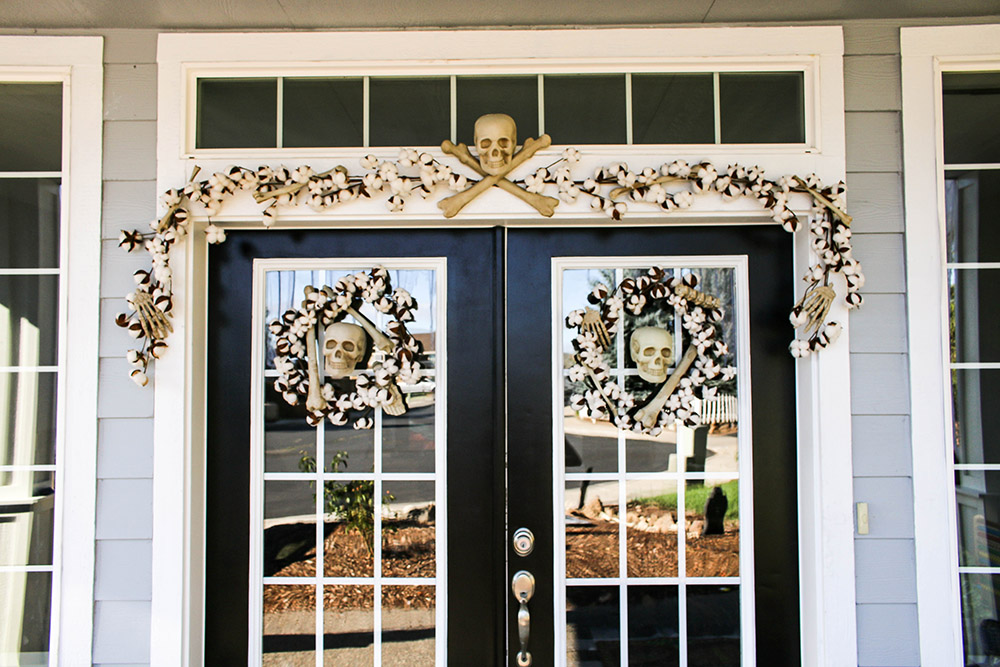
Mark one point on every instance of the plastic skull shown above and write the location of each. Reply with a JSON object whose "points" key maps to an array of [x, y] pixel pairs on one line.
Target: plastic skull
{"points": [[651, 350], [496, 138], [344, 346]]}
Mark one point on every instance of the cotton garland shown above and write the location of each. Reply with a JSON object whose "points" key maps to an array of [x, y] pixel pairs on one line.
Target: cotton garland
{"points": [[611, 189], [353, 399], [605, 398]]}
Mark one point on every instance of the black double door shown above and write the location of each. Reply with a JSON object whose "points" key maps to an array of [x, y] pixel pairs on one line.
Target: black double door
{"points": [[499, 462]]}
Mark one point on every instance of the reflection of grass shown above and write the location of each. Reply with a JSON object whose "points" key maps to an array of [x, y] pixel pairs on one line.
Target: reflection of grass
{"points": [[695, 497]]}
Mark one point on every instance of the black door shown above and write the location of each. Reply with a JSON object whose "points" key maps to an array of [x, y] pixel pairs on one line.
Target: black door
{"points": [[499, 465]]}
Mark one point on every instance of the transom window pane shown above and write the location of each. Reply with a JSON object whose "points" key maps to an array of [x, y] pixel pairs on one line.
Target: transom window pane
{"points": [[410, 111], [237, 113], [516, 96], [30, 126], [585, 108], [971, 104], [762, 108], [323, 112], [673, 109]]}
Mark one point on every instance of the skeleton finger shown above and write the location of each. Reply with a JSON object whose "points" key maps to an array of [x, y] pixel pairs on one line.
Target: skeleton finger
{"points": [[397, 406]]}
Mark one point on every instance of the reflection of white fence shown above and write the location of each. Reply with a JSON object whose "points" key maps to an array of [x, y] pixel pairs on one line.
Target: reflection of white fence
{"points": [[719, 410]]}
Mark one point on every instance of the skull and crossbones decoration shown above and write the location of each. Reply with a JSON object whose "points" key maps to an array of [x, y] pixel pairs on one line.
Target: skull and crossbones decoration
{"points": [[496, 141]]}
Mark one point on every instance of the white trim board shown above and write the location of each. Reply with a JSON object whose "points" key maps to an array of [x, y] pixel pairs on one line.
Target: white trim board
{"points": [[829, 632], [925, 53], [77, 62]]}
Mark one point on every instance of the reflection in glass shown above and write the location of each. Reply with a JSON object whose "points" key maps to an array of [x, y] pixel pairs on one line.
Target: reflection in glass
{"points": [[29, 308], [974, 294], [713, 529], [408, 439], [651, 528], [27, 419], [653, 630], [673, 109], [25, 605], [593, 636], [591, 442], [237, 113], [408, 529], [289, 442], [407, 625], [591, 517], [349, 547], [972, 203], [762, 107], [322, 112], [971, 103], [516, 96], [644, 453], [26, 518], [348, 449], [349, 625], [585, 108], [974, 395], [29, 222], [31, 126], [978, 505], [289, 625], [410, 111], [713, 626], [980, 617], [289, 529]]}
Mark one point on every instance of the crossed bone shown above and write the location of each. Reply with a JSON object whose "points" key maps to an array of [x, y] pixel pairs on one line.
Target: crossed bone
{"points": [[649, 413], [452, 205]]}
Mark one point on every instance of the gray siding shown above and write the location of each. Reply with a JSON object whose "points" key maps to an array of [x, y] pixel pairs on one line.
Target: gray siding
{"points": [[123, 577], [884, 559]]}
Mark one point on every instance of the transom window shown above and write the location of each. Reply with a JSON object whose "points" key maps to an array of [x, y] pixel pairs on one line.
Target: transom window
{"points": [[578, 109]]}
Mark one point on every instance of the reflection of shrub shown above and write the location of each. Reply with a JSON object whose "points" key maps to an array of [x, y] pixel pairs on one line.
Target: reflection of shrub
{"points": [[352, 501], [695, 497]]}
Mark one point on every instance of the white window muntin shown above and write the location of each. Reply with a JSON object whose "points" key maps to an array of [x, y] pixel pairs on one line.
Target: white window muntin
{"points": [[744, 474], [807, 65]]}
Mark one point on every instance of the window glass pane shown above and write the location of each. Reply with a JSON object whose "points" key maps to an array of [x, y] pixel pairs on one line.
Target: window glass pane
{"points": [[585, 108], [972, 210], [289, 529], [29, 223], [26, 517], [653, 628], [651, 528], [978, 504], [971, 104], [673, 109], [27, 419], [407, 625], [980, 611], [349, 529], [975, 331], [713, 531], [322, 112], [516, 96], [237, 113], [25, 603], [408, 527], [30, 126], [976, 414], [410, 111], [713, 626], [762, 107], [349, 620], [29, 307], [591, 529], [289, 625], [593, 634]]}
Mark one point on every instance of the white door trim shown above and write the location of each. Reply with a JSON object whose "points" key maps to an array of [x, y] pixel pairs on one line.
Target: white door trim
{"points": [[926, 52], [825, 478]]}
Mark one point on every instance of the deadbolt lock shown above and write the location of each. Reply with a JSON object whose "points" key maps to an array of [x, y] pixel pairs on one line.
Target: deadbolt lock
{"points": [[524, 541]]}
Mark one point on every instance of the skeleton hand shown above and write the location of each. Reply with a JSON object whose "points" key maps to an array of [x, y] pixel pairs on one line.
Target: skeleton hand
{"points": [[397, 406], [815, 304], [592, 323], [154, 321]]}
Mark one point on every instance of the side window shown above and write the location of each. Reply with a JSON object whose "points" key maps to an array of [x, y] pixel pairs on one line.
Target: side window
{"points": [[31, 273]]}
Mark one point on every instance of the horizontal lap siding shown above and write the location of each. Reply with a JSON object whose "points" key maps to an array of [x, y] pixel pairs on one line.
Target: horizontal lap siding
{"points": [[123, 577], [885, 558]]}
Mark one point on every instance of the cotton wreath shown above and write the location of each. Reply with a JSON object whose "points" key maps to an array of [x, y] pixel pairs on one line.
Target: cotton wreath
{"points": [[604, 397], [397, 361]]}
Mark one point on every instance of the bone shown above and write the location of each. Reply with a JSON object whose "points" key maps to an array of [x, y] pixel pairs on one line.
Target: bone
{"points": [[816, 304], [381, 341], [153, 321], [612, 409], [541, 203], [452, 205], [314, 400], [649, 413], [397, 406]]}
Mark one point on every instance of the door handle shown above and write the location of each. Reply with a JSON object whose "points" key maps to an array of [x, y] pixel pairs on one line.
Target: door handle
{"points": [[523, 586]]}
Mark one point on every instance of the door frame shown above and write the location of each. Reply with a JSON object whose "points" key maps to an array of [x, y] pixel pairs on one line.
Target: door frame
{"points": [[825, 484]]}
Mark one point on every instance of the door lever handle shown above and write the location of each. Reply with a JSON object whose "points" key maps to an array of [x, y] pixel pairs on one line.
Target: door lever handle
{"points": [[523, 586]]}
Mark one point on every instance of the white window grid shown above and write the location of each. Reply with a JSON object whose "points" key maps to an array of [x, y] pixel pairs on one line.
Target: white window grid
{"points": [[20, 475], [259, 477], [681, 475]]}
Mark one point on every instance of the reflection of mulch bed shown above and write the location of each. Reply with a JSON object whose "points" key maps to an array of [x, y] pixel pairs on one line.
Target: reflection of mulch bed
{"points": [[592, 551], [407, 551]]}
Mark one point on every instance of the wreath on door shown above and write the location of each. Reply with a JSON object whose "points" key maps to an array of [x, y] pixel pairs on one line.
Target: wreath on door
{"points": [[364, 367], [671, 398]]}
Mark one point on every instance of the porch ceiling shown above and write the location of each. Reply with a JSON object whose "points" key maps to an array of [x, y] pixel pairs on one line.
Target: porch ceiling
{"points": [[375, 14]]}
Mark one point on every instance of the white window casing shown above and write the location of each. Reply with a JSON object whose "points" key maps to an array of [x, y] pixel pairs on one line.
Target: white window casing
{"points": [[77, 63], [926, 52], [823, 381]]}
